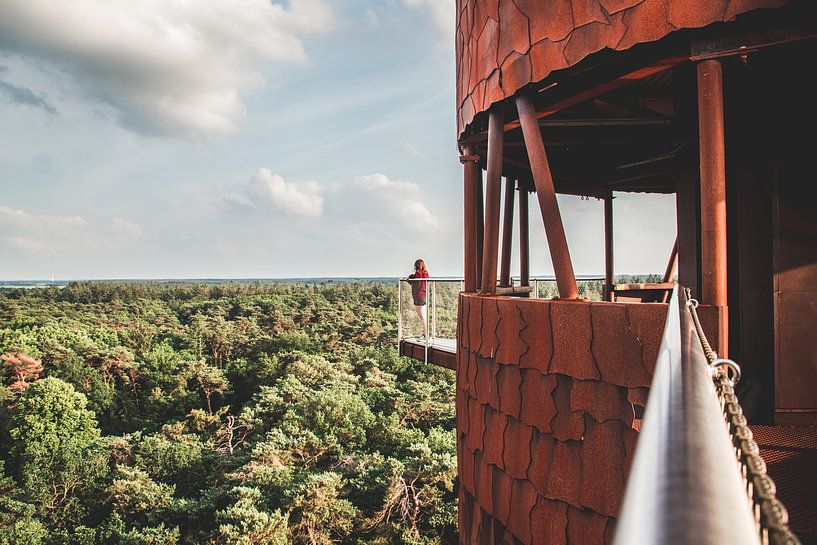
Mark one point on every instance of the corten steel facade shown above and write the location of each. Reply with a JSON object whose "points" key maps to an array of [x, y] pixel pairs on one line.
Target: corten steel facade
{"points": [[588, 97], [503, 45]]}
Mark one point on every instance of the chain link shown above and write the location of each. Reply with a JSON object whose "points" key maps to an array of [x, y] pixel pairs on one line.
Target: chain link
{"points": [[771, 517]]}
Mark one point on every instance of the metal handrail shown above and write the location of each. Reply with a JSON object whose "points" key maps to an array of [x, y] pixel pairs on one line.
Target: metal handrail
{"points": [[579, 278], [431, 314], [685, 485]]}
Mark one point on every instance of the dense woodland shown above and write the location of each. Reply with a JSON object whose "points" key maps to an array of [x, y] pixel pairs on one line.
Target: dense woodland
{"points": [[222, 414]]}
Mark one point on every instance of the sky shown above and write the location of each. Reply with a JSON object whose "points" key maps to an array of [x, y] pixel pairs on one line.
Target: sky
{"points": [[250, 139]]}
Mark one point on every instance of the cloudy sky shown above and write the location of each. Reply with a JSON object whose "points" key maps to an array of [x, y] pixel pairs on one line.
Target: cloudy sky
{"points": [[248, 138]]}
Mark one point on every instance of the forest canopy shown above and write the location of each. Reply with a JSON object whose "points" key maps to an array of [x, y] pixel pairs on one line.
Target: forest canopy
{"points": [[241, 414]]}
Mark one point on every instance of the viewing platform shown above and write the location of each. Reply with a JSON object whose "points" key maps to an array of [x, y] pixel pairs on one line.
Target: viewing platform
{"points": [[440, 346]]}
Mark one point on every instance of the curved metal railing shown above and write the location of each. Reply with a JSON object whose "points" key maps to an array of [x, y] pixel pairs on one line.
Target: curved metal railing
{"points": [[689, 482], [442, 296]]}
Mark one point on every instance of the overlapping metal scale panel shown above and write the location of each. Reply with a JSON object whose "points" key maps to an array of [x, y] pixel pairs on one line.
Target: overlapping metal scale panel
{"points": [[503, 45]]}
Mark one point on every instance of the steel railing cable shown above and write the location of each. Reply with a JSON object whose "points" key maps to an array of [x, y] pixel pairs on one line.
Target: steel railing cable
{"points": [[771, 517]]}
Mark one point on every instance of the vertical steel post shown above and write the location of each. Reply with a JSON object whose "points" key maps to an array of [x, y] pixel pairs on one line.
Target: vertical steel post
{"points": [[609, 276], [399, 312], [524, 239], [507, 233], [428, 317], [480, 224], [546, 192], [471, 178], [713, 182], [434, 307], [713, 189], [493, 193]]}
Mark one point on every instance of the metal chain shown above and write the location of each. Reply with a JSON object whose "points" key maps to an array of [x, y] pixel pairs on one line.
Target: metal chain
{"points": [[771, 517]]}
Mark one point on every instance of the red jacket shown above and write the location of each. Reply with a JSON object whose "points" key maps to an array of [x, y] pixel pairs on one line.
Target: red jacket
{"points": [[418, 289]]}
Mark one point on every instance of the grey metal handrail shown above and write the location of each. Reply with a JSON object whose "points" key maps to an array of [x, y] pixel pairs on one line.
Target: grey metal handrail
{"points": [[432, 308], [685, 485], [431, 312]]}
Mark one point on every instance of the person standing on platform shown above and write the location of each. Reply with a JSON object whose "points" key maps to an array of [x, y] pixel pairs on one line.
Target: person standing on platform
{"points": [[418, 292]]}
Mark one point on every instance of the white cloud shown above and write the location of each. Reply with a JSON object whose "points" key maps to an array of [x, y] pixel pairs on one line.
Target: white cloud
{"points": [[43, 235], [163, 66], [400, 200], [411, 150], [443, 15], [266, 189], [127, 228], [372, 18]]}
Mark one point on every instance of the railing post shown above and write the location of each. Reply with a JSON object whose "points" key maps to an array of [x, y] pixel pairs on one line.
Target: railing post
{"points": [[524, 239], [399, 312], [609, 276], [507, 233], [493, 191], [434, 307], [546, 192], [428, 317]]}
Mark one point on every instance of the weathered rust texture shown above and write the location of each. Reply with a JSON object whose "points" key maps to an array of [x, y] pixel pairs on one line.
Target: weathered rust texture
{"points": [[511, 346], [501, 46], [463, 363], [713, 190], [466, 474], [486, 389], [567, 424], [570, 354], [509, 381], [495, 424], [538, 407], [585, 527], [523, 498], [493, 190], [471, 177], [602, 453], [566, 473], [543, 455], [536, 335], [476, 419], [542, 447], [502, 490], [549, 522], [609, 278], [507, 233], [517, 449], [601, 400], [524, 239], [483, 479], [490, 324]]}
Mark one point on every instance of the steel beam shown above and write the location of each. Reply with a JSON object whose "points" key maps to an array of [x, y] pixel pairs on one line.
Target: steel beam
{"points": [[713, 182], [545, 191], [713, 186], [493, 193], [479, 197], [609, 278], [471, 178], [524, 239], [507, 233]]}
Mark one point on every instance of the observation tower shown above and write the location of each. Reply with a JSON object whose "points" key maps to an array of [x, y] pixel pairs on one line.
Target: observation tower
{"points": [[711, 101]]}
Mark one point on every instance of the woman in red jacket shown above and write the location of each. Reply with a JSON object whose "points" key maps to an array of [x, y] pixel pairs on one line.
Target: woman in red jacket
{"points": [[418, 292]]}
